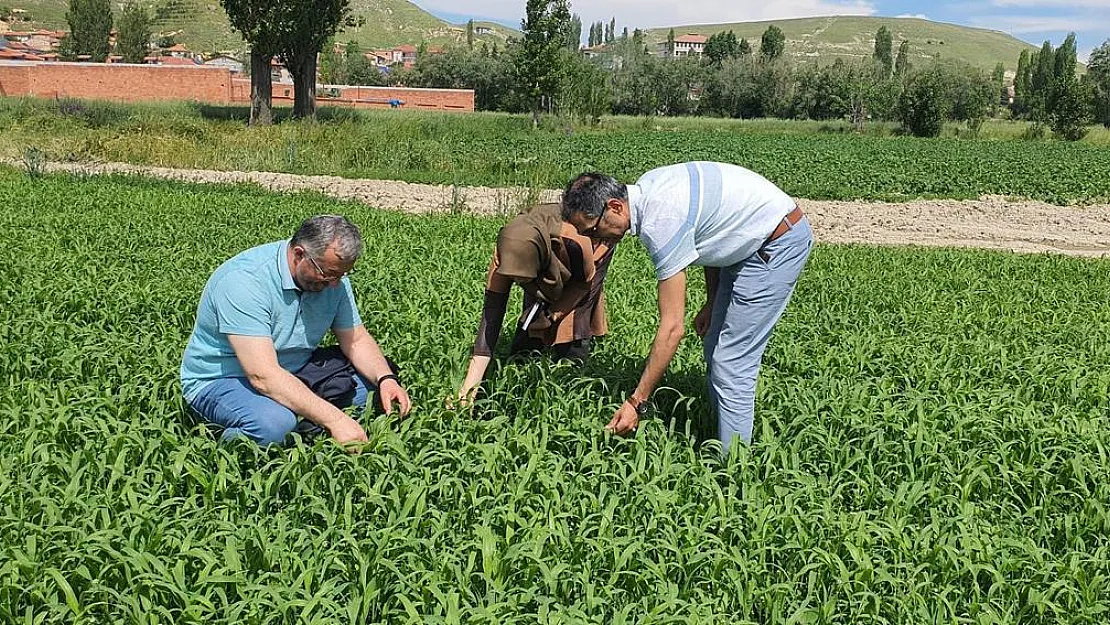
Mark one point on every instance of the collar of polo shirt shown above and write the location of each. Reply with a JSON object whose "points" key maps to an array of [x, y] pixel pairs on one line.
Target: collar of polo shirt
{"points": [[284, 271], [634, 197]]}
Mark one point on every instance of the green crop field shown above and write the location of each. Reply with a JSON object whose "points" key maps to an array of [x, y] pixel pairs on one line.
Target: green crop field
{"points": [[501, 150], [931, 442]]}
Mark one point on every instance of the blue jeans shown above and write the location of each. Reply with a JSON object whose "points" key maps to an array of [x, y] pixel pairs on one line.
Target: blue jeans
{"points": [[233, 404], [751, 296]]}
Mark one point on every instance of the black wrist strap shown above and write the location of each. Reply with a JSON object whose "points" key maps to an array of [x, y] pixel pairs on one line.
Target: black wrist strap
{"points": [[640, 406], [388, 376]]}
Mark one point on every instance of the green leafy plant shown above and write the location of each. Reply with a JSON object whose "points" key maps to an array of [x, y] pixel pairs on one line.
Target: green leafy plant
{"points": [[930, 441]]}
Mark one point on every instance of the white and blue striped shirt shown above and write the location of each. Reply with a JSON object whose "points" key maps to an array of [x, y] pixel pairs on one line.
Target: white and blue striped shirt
{"points": [[707, 214]]}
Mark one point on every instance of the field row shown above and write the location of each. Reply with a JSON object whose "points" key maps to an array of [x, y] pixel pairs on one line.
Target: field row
{"points": [[931, 441], [500, 150]]}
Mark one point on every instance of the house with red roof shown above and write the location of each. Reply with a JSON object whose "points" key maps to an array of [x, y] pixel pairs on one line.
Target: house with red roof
{"points": [[686, 45]]}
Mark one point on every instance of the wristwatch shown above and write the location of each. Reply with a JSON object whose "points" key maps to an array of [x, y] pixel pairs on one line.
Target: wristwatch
{"points": [[640, 405]]}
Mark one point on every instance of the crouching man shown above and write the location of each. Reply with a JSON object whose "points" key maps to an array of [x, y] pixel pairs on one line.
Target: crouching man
{"points": [[253, 363]]}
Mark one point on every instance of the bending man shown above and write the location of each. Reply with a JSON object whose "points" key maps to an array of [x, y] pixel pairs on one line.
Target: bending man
{"points": [[561, 273], [753, 242], [253, 364]]}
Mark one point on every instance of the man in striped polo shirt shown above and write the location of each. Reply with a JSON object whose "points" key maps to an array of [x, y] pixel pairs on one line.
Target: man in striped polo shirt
{"points": [[751, 239]]}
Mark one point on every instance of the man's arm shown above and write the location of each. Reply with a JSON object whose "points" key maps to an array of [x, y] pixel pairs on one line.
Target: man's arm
{"points": [[672, 310], [258, 358], [366, 356]]}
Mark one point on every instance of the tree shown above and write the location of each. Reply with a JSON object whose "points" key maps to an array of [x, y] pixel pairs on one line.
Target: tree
{"points": [[773, 43], [1070, 110], [611, 31], [1043, 64], [133, 41], [538, 56], [1098, 77], [597, 34], [490, 76], [1066, 58], [259, 22], [90, 24], [719, 47], [971, 94], [998, 79], [585, 92], [922, 107], [670, 42], [902, 65], [574, 33], [359, 69], [745, 48], [333, 65], [470, 34], [883, 49], [304, 27], [1023, 85]]}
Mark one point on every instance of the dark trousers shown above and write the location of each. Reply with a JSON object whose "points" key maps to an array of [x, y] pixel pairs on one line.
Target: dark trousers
{"points": [[525, 346]]}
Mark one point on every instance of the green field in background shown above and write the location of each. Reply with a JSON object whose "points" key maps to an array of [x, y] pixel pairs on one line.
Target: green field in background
{"points": [[807, 159]]}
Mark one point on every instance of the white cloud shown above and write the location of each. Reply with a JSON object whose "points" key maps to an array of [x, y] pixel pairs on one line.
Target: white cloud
{"points": [[1054, 4], [1024, 24], [916, 16], [657, 13]]}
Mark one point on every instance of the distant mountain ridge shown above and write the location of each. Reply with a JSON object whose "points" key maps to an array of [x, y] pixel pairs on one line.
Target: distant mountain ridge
{"points": [[202, 25], [853, 37]]}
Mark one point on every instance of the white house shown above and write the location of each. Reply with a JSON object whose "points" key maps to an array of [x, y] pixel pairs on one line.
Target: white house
{"points": [[688, 44]]}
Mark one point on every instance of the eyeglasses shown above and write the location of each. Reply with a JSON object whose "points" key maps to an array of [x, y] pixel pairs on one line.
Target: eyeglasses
{"points": [[592, 230], [323, 276]]}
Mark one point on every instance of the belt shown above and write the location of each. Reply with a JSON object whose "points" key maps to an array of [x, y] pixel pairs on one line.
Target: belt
{"points": [[788, 222]]}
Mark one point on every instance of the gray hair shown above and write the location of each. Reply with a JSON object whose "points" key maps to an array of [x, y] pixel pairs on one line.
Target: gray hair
{"points": [[589, 192], [317, 233]]}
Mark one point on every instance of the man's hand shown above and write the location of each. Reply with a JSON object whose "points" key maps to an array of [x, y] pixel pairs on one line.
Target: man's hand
{"points": [[703, 319], [624, 421], [347, 431], [391, 391], [464, 400]]}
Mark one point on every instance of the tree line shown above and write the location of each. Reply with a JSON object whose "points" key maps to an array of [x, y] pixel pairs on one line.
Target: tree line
{"points": [[546, 72]]}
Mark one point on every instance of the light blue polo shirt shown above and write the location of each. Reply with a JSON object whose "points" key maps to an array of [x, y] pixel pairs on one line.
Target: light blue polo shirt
{"points": [[253, 294]]}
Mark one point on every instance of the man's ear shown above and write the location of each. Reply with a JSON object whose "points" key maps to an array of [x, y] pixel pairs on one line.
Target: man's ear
{"points": [[615, 205]]}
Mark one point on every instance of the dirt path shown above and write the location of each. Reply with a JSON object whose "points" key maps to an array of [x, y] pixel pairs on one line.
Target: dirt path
{"points": [[990, 222]]}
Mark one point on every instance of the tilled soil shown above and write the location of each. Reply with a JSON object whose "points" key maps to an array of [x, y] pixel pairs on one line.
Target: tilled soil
{"points": [[990, 222]]}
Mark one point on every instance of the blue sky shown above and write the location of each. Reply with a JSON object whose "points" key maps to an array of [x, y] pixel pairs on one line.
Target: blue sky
{"points": [[1029, 20]]}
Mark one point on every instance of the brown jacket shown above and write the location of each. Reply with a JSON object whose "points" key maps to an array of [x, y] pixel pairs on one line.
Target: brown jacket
{"points": [[567, 272]]}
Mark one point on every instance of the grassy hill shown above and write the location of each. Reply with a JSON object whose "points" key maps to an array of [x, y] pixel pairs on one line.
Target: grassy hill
{"points": [[851, 37], [202, 24]]}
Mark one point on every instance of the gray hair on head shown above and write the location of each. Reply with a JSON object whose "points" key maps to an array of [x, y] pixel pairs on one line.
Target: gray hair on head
{"points": [[589, 193], [317, 233]]}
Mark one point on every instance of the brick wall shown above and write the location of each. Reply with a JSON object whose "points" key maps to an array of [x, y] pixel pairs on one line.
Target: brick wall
{"points": [[15, 79], [128, 83], [367, 97], [214, 85]]}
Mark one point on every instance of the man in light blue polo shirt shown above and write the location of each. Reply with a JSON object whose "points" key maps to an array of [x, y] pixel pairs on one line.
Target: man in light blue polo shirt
{"points": [[254, 347], [753, 242]]}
